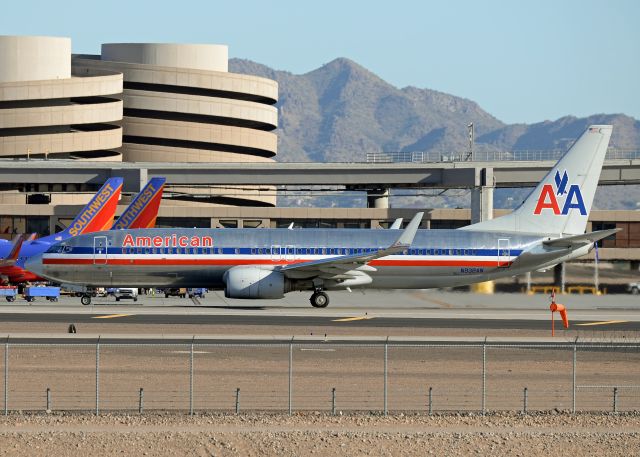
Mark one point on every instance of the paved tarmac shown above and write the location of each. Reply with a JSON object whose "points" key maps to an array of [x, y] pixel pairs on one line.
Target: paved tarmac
{"points": [[386, 309]]}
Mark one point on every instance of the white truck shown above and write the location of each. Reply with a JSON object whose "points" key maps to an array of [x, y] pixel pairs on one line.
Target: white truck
{"points": [[126, 293]]}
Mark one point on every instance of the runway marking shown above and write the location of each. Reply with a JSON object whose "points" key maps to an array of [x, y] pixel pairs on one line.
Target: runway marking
{"points": [[111, 316], [350, 319], [589, 324], [318, 349]]}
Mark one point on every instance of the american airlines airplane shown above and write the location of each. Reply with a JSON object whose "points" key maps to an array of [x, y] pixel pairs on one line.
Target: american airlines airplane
{"points": [[546, 229]]}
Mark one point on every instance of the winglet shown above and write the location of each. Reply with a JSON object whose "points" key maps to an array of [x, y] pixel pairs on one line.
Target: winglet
{"points": [[397, 224], [408, 234], [11, 258], [15, 249]]}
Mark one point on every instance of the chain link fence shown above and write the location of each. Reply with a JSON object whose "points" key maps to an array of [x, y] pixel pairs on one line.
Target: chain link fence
{"points": [[386, 377]]}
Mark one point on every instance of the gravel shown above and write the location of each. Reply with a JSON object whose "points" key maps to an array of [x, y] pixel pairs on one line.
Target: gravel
{"points": [[320, 434]]}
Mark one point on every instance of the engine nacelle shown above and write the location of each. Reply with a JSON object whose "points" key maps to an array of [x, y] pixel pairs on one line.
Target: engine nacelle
{"points": [[252, 282]]}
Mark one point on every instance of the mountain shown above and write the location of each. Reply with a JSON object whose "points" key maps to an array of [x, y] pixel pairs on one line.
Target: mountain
{"points": [[341, 111]]}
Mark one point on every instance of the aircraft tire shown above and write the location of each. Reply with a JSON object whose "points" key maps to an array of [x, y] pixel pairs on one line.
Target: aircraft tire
{"points": [[86, 300], [319, 300]]}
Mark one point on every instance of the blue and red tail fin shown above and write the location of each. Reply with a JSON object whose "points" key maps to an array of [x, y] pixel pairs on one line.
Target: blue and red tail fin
{"points": [[143, 210], [99, 212], [12, 256]]}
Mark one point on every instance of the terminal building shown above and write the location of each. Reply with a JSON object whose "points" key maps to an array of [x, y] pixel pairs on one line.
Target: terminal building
{"points": [[134, 102], [152, 103]]}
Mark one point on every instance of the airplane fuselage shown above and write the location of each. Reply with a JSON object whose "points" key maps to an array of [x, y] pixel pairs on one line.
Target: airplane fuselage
{"points": [[201, 257]]}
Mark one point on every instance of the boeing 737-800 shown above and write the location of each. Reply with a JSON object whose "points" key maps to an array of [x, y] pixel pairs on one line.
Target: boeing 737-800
{"points": [[546, 229]]}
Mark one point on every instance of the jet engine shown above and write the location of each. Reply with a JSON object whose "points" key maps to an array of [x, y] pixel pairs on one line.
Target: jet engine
{"points": [[252, 282]]}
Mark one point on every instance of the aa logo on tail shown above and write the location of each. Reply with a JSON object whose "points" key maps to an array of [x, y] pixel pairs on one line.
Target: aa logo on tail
{"points": [[551, 198]]}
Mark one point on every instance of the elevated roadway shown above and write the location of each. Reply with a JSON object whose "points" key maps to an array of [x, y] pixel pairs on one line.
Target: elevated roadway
{"points": [[440, 175]]}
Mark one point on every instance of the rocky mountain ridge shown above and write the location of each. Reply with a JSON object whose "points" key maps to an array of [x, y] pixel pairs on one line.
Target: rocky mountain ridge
{"points": [[341, 111]]}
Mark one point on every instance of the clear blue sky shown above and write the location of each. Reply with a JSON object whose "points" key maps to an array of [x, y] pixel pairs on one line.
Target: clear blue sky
{"points": [[521, 61]]}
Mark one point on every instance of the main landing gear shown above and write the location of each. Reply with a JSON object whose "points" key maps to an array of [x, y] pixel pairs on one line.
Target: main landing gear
{"points": [[319, 299], [85, 300]]}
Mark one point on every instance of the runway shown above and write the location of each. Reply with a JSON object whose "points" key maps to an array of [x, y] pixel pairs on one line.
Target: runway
{"points": [[397, 313], [311, 321]]}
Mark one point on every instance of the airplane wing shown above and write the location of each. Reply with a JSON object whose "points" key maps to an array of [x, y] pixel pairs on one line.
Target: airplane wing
{"points": [[343, 265], [575, 241]]}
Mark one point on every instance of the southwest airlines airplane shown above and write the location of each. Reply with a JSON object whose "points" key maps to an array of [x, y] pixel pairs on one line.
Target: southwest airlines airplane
{"points": [[547, 228], [97, 215]]}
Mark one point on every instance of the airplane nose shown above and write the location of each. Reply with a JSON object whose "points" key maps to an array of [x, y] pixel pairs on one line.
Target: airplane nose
{"points": [[34, 264]]}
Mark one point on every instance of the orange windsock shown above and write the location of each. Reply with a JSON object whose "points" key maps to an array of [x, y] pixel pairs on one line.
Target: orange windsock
{"points": [[563, 312]]}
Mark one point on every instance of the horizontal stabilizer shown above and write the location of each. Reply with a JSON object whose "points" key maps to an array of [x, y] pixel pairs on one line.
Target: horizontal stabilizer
{"points": [[580, 240]]}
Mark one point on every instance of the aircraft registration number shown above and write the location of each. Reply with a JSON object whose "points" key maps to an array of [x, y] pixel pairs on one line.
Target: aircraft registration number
{"points": [[471, 270]]}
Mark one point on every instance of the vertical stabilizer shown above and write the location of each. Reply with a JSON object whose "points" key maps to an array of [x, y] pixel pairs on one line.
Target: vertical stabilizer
{"points": [[561, 202], [97, 215], [143, 210]]}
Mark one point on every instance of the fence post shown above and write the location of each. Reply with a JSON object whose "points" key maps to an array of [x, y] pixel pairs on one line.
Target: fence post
{"points": [[386, 357], [573, 388], [98, 376], [48, 399], [333, 401], [237, 400], [191, 379], [615, 399], [141, 401], [430, 401], [525, 400], [291, 376], [6, 377], [484, 375]]}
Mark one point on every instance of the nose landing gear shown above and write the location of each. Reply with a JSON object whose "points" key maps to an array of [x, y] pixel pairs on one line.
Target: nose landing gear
{"points": [[319, 299]]}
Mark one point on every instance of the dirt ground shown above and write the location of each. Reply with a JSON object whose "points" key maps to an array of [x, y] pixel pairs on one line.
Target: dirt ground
{"points": [[319, 434]]}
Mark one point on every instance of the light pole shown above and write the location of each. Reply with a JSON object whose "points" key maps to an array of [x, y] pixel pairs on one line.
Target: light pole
{"points": [[470, 155]]}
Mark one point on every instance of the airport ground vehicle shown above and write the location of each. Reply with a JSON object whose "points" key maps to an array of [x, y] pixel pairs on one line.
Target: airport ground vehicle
{"points": [[51, 293], [634, 288], [197, 292], [548, 228], [8, 292], [175, 292], [126, 293]]}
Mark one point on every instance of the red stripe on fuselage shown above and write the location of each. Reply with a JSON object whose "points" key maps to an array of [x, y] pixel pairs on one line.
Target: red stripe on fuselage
{"points": [[237, 262]]}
